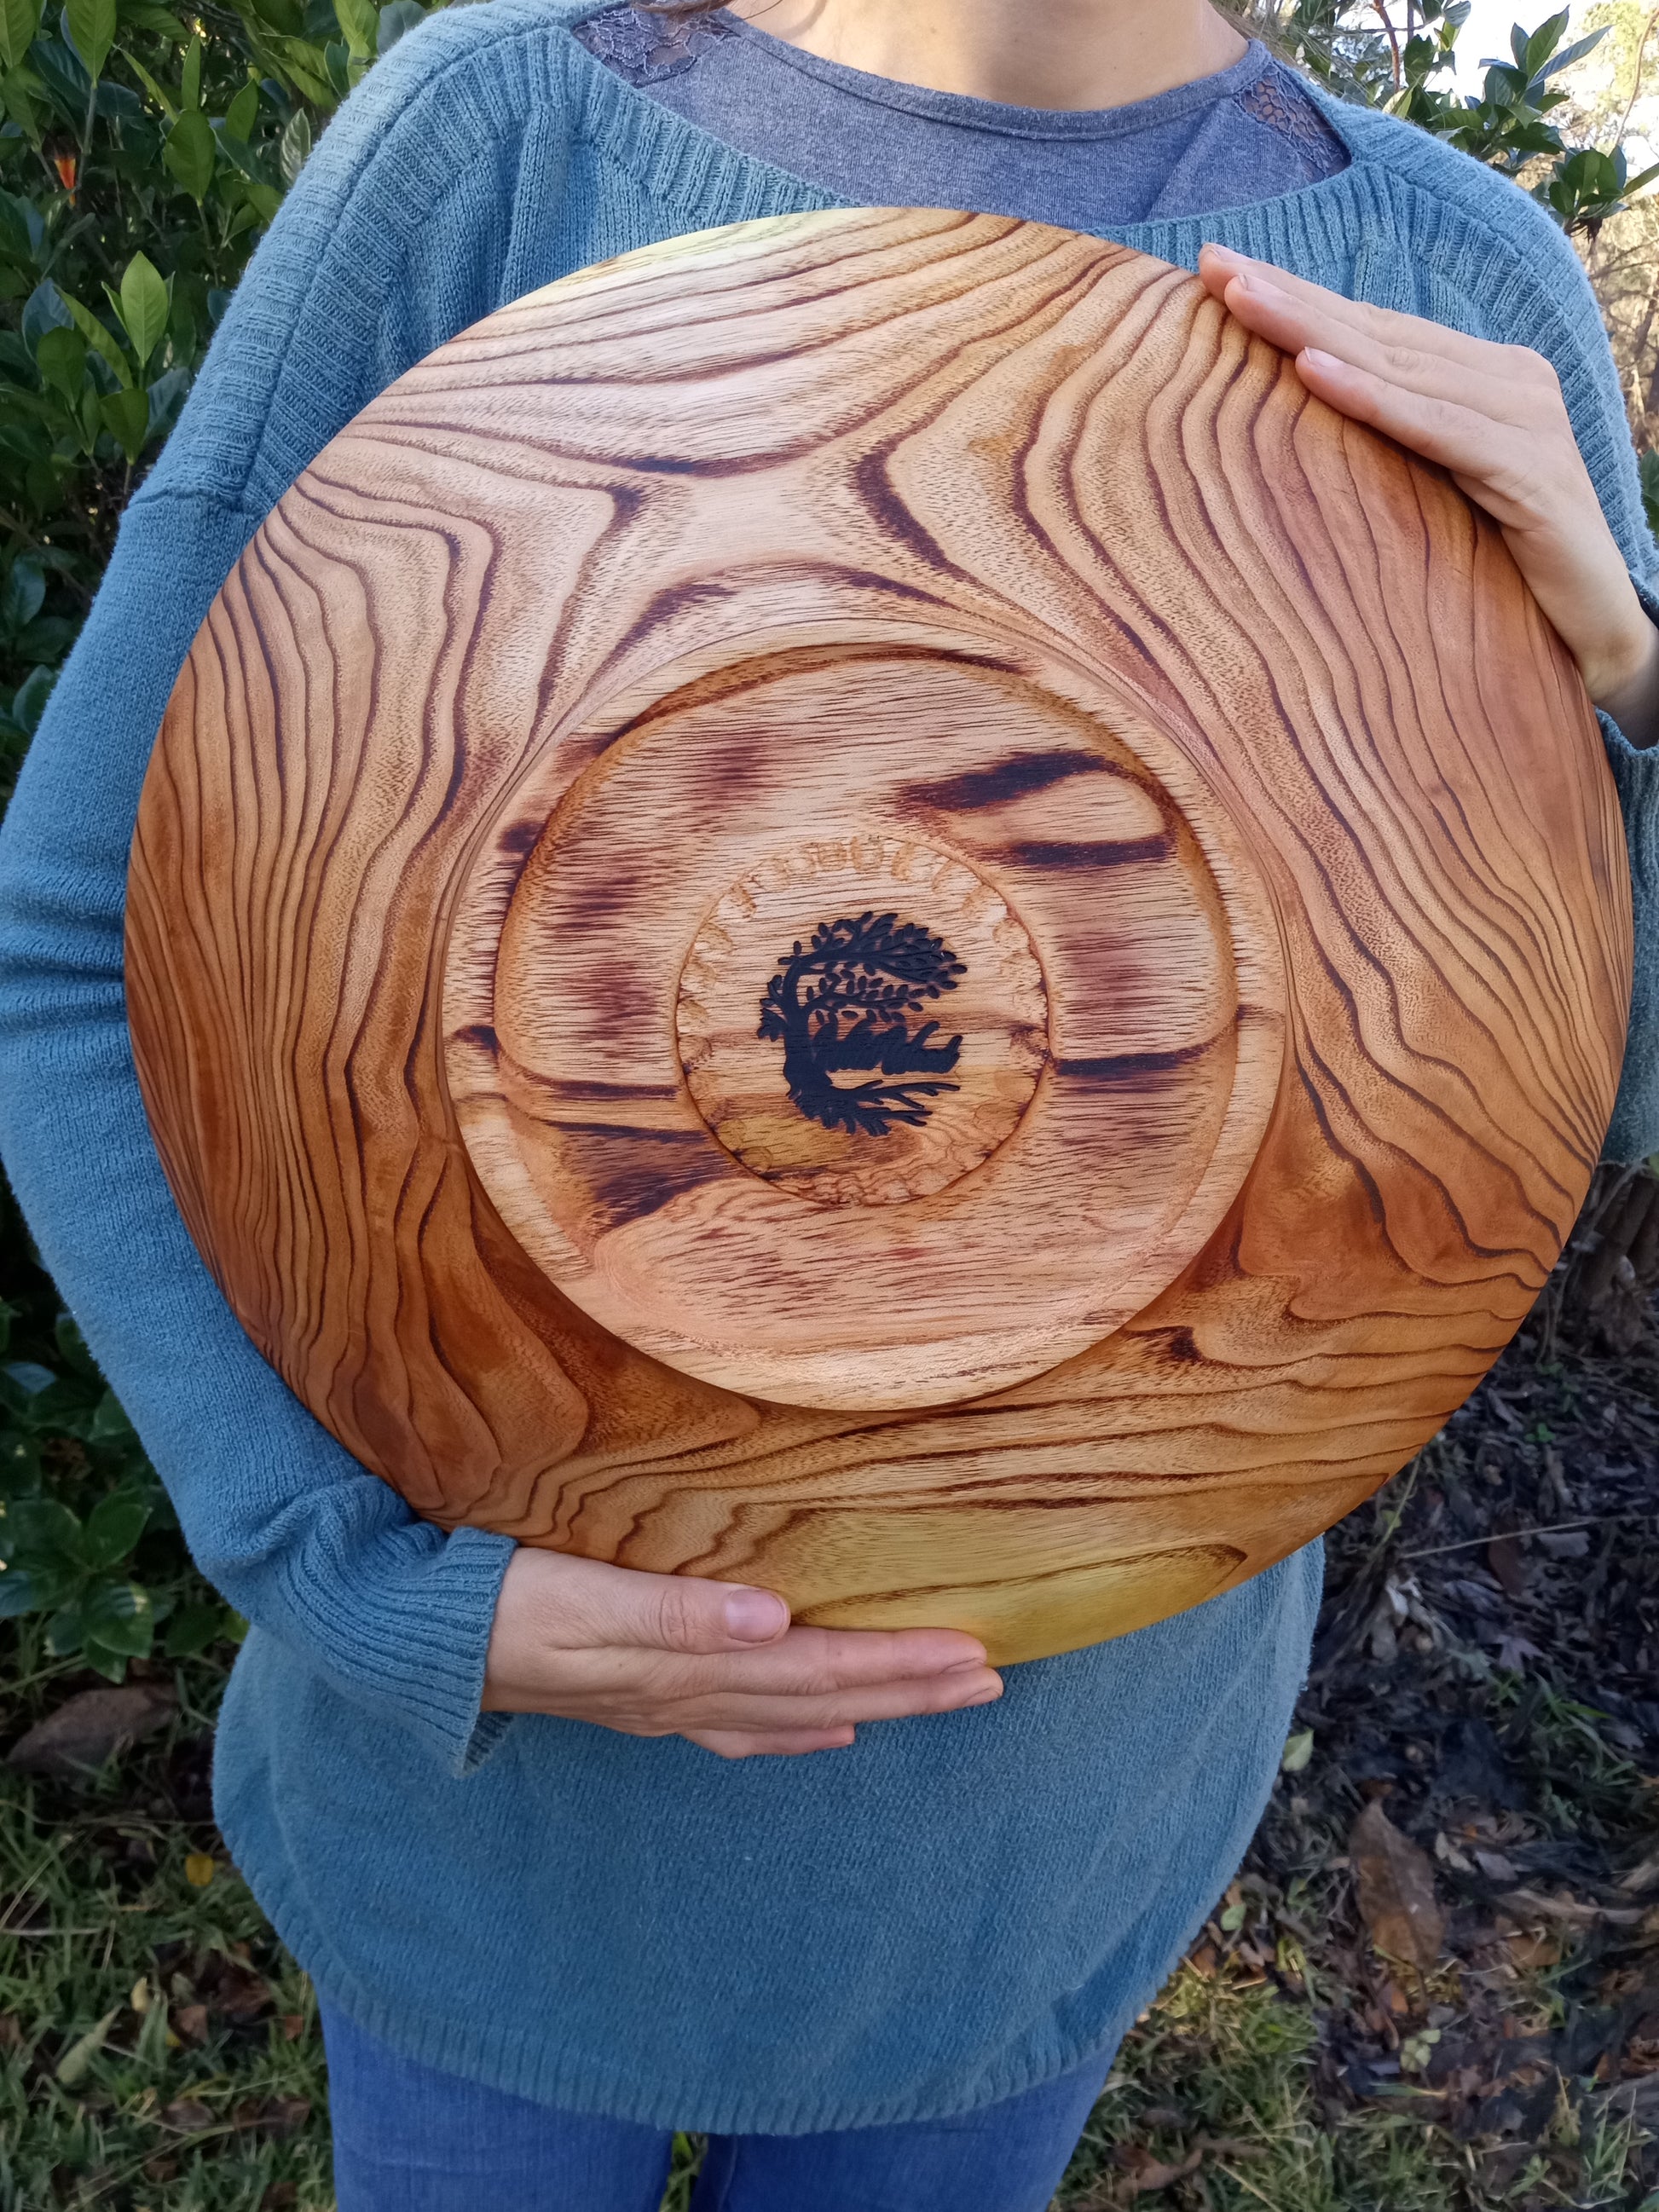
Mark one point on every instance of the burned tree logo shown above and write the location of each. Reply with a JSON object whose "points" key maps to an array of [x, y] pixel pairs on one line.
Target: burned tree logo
{"points": [[841, 1004]]}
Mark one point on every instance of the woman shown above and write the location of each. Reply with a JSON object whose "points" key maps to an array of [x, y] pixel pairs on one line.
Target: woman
{"points": [[472, 1785]]}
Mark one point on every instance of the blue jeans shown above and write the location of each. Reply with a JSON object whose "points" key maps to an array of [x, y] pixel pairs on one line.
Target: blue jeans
{"points": [[410, 2139]]}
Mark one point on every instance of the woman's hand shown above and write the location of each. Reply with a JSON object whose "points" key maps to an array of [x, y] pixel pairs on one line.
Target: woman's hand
{"points": [[669, 1655], [1493, 416]]}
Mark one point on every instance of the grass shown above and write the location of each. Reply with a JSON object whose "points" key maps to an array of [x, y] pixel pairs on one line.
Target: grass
{"points": [[1214, 2101], [159, 2051]]}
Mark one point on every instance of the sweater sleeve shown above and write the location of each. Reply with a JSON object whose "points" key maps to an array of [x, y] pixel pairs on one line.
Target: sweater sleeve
{"points": [[1633, 1132], [381, 250]]}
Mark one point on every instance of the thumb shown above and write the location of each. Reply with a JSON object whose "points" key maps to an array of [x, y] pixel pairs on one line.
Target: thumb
{"points": [[685, 1612]]}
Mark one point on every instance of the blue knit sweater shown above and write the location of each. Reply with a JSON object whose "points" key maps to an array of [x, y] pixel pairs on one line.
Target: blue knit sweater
{"points": [[954, 1908]]}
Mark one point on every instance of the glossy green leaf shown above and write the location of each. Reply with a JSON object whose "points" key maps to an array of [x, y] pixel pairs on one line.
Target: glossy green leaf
{"points": [[18, 1593], [157, 91], [102, 340], [97, 1655], [42, 1531], [45, 309], [29, 701], [109, 1421], [193, 1628], [30, 1377], [359, 23], [111, 1528], [120, 1617], [72, 1348], [91, 25], [308, 65], [191, 89], [20, 21], [20, 93], [396, 18], [65, 1632], [61, 358], [20, 598], [189, 153], [242, 113], [294, 146], [144, 301], [126, 416]]}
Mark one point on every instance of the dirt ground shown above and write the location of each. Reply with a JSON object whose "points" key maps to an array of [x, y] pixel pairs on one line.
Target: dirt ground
{"points": [[1470, 1788]]}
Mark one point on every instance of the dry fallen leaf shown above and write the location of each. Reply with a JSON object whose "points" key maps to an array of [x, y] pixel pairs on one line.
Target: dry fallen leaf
{"points": [[189, 2115], [1529, 1948], [279, 2116], [1531, 1903], [92, 1727], [1503, 1557], [1395, 1882], [85, 2048], [234, 1990], [1149, 2174], [1642, 1877]]}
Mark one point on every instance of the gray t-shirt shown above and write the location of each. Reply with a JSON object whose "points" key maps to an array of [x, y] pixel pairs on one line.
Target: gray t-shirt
{"points": [[1246, 134]]}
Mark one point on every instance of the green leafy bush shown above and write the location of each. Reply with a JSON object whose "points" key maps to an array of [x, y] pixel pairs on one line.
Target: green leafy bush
{"points": [[141, 155], [142, 152], [1506, 125], [86, 1532]]}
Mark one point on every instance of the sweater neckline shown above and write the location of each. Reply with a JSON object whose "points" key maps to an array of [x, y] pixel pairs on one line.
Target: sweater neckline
{"points": [[629, 117], [1004, 120]]}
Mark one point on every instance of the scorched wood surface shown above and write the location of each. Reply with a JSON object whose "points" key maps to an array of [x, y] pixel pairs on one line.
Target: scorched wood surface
{"points": [[852, 904]]}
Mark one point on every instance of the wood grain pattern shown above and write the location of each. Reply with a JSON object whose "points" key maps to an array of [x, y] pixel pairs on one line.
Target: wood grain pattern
{"points": [[850, 904]]}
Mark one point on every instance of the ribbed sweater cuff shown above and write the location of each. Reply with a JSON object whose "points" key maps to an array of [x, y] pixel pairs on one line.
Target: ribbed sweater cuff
{"points": [[408, 1631]]}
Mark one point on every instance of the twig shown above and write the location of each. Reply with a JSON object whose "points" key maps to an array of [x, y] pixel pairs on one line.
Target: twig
{"points": [[1549, 1528], [1636, 86], [1382, 8]]}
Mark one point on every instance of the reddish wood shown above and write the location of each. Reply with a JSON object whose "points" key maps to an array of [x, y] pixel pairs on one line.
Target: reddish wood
{"points": [[1245, 820]]}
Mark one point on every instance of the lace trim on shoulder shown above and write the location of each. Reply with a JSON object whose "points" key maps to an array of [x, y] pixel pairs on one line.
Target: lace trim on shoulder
{"points": [[644, 49], [1277, 100]]}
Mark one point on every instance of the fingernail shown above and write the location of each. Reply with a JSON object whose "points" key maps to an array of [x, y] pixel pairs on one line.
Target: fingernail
{"points": [[986, 1697], [1313, 354], [755, 1615]]}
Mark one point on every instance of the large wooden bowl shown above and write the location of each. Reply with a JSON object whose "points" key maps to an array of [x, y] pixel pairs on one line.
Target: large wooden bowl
{"points": [[852, 904]]}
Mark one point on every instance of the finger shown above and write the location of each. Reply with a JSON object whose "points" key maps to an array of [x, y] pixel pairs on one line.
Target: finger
{"points": [[806, 1662], [736, 1743], [1513, 387], [1220, 267], [1465, 439], [876, 1701], [777, 1681], [687, 1614], [592, 1606]]}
